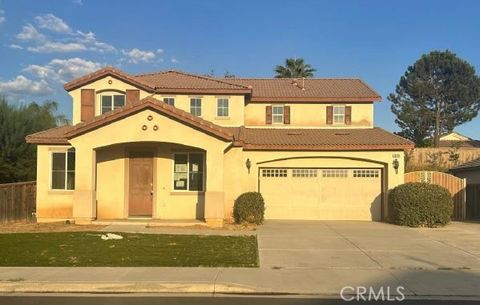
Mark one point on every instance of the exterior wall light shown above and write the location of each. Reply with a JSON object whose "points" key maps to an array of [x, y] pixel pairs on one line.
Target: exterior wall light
{"points": [[248, 164], [396, 165]]}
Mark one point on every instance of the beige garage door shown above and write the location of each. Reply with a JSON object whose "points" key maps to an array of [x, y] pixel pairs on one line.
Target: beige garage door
{"points": [[321, 193]]}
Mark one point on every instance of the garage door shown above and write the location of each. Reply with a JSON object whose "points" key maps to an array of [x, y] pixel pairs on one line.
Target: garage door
{"points": [[322, 193]]}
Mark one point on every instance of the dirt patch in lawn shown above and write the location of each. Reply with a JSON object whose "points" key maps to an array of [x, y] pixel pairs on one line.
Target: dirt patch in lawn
{"points": [[20, 227]]}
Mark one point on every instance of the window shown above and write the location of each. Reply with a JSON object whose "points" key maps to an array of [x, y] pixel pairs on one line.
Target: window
{"points": [[169, 100], [277, 114], [304, 173], [196, 106], [222, 107], [366, 173], [274, 172], [188, 172], [63, 170], [338, 114], [335, 173], [112, 102]]}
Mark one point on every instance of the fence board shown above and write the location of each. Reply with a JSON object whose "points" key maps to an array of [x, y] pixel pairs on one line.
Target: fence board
{"points": [[17, 201], [456, 186]]}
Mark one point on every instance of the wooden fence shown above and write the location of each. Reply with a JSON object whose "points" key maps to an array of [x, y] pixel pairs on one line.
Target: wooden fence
{"points": [[17, 201], [456, 186], [473, 201], [422, 157]]}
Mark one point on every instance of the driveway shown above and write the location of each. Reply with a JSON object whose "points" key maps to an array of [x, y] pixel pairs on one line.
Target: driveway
{"points": [[368, 245]]}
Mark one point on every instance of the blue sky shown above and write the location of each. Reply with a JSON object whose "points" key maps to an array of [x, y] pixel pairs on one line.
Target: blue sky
{"points": [[45, 43]]}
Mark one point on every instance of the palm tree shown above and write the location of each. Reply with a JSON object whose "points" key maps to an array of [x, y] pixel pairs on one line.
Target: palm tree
{"points": [[294, 68]]}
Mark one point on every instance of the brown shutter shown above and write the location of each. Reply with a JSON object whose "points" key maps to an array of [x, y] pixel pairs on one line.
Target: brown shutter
{"points": [[87, 100], [286, 115], [133, 96], [268, 115], [329, 115], [348, 115]]}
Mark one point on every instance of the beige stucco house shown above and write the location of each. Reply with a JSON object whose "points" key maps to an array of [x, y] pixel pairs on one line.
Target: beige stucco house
{"points": [[172, 145]]}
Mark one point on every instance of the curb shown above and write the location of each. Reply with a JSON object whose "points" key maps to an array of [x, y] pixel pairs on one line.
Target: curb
{"points": [[124, 287]]}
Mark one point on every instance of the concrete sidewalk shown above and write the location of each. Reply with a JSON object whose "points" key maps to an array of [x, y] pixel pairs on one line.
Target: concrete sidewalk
{"points": [[320, 281]]}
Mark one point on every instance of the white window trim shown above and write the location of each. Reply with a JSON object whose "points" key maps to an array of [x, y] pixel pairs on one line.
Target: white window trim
{"points": [[228, 108], [188, 171], [333, 114], [113, 100], [50, 170], [201, 106], [278, 115]]}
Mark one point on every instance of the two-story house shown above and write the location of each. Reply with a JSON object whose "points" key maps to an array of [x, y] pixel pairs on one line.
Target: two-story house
{"points": [[173, 145]]}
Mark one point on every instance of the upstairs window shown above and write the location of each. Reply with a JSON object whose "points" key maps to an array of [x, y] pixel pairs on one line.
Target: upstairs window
{"points": [[63, 170], [169, 100], [339, 114], [277, 114], [196, 106], [111, 102], [222, 107]]}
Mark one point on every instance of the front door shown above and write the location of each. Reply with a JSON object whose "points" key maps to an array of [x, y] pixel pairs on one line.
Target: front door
{"points": [[141, 184]]}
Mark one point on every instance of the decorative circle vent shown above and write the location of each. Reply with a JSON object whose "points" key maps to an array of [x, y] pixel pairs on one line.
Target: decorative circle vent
{"points": [[144, 127]]}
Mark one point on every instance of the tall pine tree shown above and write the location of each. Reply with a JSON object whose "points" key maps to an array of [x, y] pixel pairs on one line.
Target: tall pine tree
{"points": [[437, 93]]}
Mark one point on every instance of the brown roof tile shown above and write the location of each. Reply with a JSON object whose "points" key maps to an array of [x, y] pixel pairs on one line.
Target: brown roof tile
{"points": [[470, 165], [309, 89], [258, 89], [175, 81], [62, 134], [53, 136], [319, 139]]}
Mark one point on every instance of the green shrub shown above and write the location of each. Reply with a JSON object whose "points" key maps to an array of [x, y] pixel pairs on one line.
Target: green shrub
{"points": [[421, 205], [249, 207]]}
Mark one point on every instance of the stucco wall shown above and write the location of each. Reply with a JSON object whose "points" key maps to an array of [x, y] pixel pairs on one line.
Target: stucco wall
{"points": [[112, 190], [310, 115], [52, 205], [242, 181], [182, 101]]}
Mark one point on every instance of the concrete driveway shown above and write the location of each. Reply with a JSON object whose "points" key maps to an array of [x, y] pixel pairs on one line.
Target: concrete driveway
{"points": [[368, 245]]}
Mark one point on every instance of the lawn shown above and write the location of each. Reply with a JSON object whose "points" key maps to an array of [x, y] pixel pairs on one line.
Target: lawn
{"points": [[162, 250]]}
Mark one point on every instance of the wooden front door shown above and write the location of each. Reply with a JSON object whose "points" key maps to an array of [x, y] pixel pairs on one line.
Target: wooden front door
{"points": [[141, 184]]}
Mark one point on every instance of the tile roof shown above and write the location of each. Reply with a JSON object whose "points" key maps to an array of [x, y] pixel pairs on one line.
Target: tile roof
{"points": [[458, 143], [475, 163], [258, 90], [60, 135], [309, 89], [319, 139]]}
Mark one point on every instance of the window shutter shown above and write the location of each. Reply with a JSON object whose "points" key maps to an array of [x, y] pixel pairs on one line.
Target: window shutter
{"points": [[133, 97], [268, 115], [286, 115], [348, 115], [87, 101], [329, 115]]}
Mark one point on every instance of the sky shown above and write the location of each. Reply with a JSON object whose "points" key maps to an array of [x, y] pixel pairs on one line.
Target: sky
{"points": [[44, 44]]}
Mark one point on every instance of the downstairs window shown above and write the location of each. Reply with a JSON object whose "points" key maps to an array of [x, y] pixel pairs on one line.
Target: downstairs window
{"points": [[188, 172], [63, 170]]}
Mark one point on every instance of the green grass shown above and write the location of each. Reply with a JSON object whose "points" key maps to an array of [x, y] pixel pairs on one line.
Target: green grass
{"points": [[87, 249]]}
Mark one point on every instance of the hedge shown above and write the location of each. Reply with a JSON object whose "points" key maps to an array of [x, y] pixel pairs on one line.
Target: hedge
{"points": [[421, 205], [249, 207]]}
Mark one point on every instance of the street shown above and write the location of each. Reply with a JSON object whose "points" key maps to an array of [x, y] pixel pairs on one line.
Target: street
{"points": [[92, 299]]}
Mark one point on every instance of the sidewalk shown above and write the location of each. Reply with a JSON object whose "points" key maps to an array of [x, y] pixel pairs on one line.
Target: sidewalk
{"points": [[327, 282]]}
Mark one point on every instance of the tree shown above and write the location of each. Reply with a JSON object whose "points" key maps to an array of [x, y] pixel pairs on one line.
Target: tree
{"points": [[437, 93], [17, 158], [294, 68]]}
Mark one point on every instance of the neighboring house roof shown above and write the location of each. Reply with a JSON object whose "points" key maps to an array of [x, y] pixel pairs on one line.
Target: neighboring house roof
{"points": [[455, 139], [308, 89], [248, 138], [259, 90], [319, 139], [470, 165]]}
